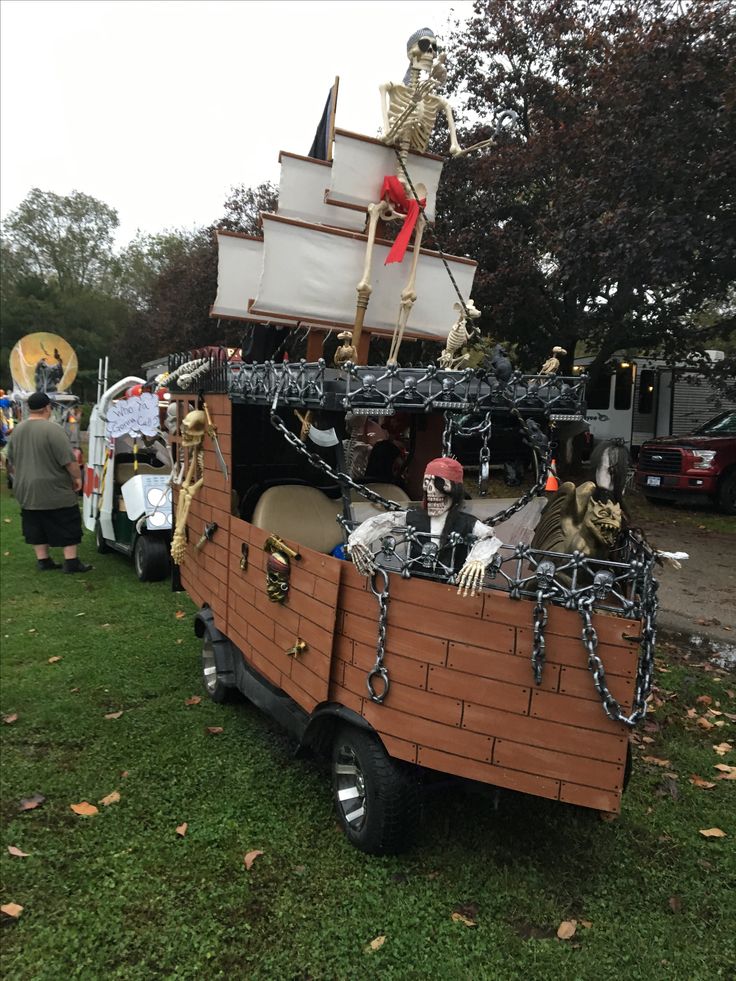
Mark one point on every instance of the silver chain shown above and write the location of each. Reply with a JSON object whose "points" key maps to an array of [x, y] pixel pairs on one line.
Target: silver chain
{"points": [[645, 667], [378, 670], [538, 646], [337, 475]]}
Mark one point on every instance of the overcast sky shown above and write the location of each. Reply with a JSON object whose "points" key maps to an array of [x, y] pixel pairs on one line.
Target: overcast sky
{"points": [[159, 107]]}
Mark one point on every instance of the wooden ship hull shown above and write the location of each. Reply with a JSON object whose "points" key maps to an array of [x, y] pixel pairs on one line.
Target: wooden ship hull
{"points": [[462, 697]]}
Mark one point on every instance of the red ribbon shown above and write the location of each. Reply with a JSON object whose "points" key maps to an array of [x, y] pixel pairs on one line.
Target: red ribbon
{"points": [[393, 190]]}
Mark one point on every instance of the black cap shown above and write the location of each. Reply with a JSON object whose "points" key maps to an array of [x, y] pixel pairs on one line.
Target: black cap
{"points": [[38, 401]]}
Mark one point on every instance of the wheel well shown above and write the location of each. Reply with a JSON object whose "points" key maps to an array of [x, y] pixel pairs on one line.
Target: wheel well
{"points": [[324, 721], [728, 472], [203, 619]]}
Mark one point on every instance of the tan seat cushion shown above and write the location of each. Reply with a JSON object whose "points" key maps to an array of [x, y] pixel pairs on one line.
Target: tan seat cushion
{"points": [[390, 491], [124, 471], [303, 515]]}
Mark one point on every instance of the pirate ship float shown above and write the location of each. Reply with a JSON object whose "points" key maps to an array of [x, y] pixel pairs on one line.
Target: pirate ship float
{"points": [[530, 675]]}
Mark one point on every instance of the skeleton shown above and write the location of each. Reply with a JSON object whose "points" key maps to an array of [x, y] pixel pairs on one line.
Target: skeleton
{"points": [[552, 365], [441, 515], [192, 434], [459, 337], [409, 114]]}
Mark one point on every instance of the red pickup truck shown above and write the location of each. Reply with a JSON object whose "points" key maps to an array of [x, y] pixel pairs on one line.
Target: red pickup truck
{"points": [[692, 467]]}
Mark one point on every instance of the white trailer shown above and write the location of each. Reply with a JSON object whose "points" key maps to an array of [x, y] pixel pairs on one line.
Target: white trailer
{"points": [[636, 399]]}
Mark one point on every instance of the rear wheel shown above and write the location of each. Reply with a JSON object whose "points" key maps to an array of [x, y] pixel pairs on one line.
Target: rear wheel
{"points": [[217, 666], [151, 558], [727, 494], [376, 797]]}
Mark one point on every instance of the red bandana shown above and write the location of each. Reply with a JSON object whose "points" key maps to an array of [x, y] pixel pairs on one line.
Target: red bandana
{"points": [[446, 467], [393, 189]]}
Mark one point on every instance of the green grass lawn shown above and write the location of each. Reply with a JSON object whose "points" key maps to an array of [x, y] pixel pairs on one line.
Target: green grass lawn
{"points": [[121, 895]]}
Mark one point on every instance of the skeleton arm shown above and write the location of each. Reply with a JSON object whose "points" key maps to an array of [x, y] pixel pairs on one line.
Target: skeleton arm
{"points": [[385, 91], [455, 147], [470, 577], [360, 541]]}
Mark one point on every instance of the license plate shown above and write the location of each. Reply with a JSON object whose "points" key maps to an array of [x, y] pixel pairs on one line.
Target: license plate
{"points": [[654, 481]]}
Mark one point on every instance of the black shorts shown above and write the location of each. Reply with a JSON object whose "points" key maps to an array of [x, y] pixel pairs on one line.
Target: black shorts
{"points": [[59, 527]]}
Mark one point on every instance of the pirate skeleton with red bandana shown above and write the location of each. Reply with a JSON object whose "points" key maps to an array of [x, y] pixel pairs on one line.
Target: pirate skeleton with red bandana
{"points": [[440, 515]]}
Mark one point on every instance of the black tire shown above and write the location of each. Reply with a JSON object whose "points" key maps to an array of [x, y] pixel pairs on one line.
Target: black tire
{"points": [[100, 542], [150, 558], [376, 797], [217, 654], [727, 494]]}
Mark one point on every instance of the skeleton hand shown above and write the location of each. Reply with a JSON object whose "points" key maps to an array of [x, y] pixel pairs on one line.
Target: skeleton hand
{"points": [[471, 577], [362, 559]]}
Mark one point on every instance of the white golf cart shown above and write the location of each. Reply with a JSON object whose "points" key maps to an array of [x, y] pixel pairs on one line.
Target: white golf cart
{"points": [[127, 491]]}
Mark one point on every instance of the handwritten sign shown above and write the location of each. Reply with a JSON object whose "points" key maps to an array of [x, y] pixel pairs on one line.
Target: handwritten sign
{"points": [[135, 416]]}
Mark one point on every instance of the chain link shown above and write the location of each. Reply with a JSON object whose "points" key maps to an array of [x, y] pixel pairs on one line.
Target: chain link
{"points": [[538, 646], [645, 666], [378, 670]]}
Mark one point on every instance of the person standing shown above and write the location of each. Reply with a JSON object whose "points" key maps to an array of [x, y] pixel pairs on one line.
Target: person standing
{"points": [[46, 482]]}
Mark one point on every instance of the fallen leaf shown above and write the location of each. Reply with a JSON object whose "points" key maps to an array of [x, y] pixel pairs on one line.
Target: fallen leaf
{"points": [[72, 690], [31, 803], [193, 700], [12, 850], [80, 614], [704, 700], [697, 781], [180, 614], [250, 858], [215, 730], [691, 713], [655, 760], [703, 723], [114, 715], [12, 909], [730, 716], [714, 712], [713, 833], [731, 693], [53, 660], [567, 929], [10, 719], [181, 829], [608, 816], [84, 808], [465, 920], [112, 798], [124, 774], [723, 748], [6, 520], [726, 776], [375, 944], [586, 923], [724, 768]]}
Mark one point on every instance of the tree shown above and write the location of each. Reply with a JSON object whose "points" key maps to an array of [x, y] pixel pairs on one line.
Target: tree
{"points": [[608, 218], [65, 238]]}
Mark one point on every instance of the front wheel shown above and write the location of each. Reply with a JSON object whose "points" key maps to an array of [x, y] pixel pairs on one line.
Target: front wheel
{"points": [[376, 798], [217, 666], [727, 494], [151, 558]]}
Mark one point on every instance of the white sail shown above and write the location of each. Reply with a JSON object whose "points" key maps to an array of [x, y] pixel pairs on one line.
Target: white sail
{"points": [[310, 273], [360, 163], [302, 188]]}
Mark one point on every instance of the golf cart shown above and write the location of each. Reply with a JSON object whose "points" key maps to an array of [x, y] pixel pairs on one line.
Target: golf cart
{"points": [[127, 493]]}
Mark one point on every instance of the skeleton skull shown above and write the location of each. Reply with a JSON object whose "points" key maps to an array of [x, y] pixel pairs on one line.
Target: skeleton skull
{"points": [[422, 50], [438, 501], [192, 428]]}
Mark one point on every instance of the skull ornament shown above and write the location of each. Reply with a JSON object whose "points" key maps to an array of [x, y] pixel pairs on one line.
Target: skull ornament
{"points": [[438, 501], [422, 49], [192, 428]]}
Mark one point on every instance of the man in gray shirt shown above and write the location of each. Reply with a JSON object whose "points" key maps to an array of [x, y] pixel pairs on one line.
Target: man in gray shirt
{"points": [[46, 482]]}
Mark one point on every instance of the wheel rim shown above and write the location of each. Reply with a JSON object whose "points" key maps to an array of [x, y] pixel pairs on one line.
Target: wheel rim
{"points": [[209, 668], [350, 788]]}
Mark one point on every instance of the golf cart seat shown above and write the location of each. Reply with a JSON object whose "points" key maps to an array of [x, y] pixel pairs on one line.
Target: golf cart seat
{"points": [[124, 471], [301, 514]]}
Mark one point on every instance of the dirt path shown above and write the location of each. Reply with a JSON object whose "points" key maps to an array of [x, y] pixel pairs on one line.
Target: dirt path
{"points": [[701, 597]]}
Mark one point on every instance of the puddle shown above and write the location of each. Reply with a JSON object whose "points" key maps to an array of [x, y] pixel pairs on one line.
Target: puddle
{"points": [[720, 653]]}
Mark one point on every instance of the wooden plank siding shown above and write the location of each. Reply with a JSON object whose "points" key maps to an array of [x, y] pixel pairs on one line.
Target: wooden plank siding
{"points": [[462, 697]]}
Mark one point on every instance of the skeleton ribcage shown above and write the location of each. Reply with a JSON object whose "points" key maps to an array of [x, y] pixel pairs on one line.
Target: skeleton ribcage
{"points": [[418, 125]]}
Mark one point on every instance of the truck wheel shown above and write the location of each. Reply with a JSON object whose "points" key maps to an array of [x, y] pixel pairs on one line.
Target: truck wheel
{"points": [[377, 800], [100, 542], [151, 558], [213, 677], [727, 494]]}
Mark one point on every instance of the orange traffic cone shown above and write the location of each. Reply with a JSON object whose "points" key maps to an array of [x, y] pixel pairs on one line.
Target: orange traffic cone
{"points": [[553, 483]]}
